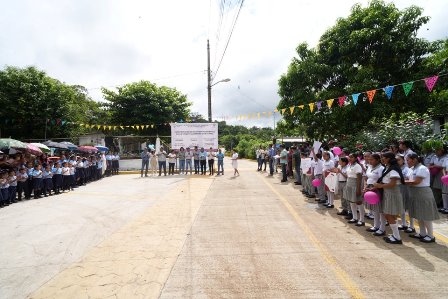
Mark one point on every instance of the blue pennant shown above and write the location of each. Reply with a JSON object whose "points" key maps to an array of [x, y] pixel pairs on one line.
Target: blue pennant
{"points": [[388, 90], [355, 98]]}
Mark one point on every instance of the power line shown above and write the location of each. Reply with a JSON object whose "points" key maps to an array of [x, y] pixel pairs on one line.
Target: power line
{"points": [[228, 40]]}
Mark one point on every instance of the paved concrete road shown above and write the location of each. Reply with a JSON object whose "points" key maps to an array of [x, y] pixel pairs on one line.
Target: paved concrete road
{"points": [[204, 237]]}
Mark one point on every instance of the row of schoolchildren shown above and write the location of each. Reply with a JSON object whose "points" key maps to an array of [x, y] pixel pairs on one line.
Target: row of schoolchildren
{"points": [[400, 180], [48, 178]]}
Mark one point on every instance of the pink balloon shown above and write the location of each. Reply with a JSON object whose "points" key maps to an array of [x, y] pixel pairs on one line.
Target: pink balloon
{"points": [[316, 182], [445, 179], [434, 171], [337, 150], [371, 197]]}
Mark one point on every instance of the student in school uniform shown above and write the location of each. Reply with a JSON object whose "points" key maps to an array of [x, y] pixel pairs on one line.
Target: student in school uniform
{"points": [[86, 165], [203, 161], [108, 164], [235, 163], [407, 173], [211, 161], [423, 205], [29, 171], [188, 158], [318, 173], [444, 209], [373, 172], [80, 171], [181, 156], [4, 186], [171, 162], [435, 168], [161, 157], [57, 178], [47, 178], [37, 181], [220, 157], [341, 170], [65, 177], [308, 188], [22, 178], [328, 166], [354, 191], [404, 148], [392, 201], [12, 181], [99, 168], [196, 160]]}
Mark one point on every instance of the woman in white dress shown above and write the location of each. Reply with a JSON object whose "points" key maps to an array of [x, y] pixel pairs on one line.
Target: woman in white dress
{"points": [[235, 162], [153, 162]]}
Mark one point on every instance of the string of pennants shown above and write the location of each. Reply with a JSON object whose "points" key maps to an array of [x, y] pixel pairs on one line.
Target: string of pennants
{"points": [[121, 127], [342, 101]]}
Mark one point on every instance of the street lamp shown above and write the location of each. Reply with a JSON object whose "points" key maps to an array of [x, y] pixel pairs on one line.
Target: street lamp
{"points": [[209, 87]]}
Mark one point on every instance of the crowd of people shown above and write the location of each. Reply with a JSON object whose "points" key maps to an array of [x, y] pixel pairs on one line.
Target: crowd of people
{"points": [[24, 176], [188, 161], [408, 186]]}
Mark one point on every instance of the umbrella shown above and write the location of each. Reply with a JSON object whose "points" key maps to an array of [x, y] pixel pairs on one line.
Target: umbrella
{"points": [[87, 149], [59, 145], [102, 148], [70, 145], [54, 158], [43, 147], [8, 143], [34, 149]]}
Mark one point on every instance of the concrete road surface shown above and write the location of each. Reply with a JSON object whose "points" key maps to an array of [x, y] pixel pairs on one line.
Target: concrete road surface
{"points": [[205, 237]]}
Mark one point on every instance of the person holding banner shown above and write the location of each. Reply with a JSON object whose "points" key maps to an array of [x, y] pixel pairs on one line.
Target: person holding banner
{"points": [[188, 158], [211, 161], [220, 157]]}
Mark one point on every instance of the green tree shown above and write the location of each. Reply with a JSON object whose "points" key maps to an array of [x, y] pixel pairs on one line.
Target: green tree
{"points": [[146, 103], [373, 47], [29, 97]]}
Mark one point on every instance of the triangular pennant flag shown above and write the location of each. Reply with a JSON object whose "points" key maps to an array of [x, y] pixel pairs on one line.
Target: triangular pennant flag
{"points": [[301, 106], [388, 90], [138, 127], [258, 115], [63, 122], [341, 101], [104, 127], [371, 94], [58, 121], [98, 126], [407, 87], [147, 126], [87, 126], [53, 122], [122, 127], [152, 126], [330, 102], [82, 125], [430, 82], [283, 110], [275, 110], [115, 127], [264, 113], [291, 109], [319, 105], [269, 113], [355, 98], [133, 127], [311, 106]]}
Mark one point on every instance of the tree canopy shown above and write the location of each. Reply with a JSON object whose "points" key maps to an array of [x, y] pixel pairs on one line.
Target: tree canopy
{"points": [[373, 47], [29, 98]]}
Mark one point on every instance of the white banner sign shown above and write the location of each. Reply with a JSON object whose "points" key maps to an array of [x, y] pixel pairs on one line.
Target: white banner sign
{"points": [[195, 134]]}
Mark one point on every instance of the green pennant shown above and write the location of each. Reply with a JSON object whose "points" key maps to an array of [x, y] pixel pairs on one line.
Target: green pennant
{"points": [[407, 87]]}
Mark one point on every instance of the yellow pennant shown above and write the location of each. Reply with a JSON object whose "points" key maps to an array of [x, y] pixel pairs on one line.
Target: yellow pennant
{"points": [[152, 126], [104, 127], [254, 115], [264, 114], [301, 106], [115, 127], [311, 106], [138, 127], [147, 126], [122, 127], [87, 126], [133, 127], [330, 102], [283, 110], [291, 109], [110, 127], [81, 125], [275, 110], [258, 115]]}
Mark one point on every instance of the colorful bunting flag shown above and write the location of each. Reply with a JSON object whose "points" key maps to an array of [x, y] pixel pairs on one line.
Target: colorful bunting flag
{"points": [[388, 90], [355, 97], [291, 109], [98, 126], [330, 103], [371, 94], [283, 110], [430, 82], [302, 106], [319, 105], [407, 87], [311, 106], [341, 101]]}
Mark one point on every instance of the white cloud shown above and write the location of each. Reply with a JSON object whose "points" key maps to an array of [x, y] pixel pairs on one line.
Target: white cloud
{"points": [[106, 43]]}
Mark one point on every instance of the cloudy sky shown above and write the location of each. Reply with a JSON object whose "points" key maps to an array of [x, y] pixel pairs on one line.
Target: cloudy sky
{"points": [[107, 43]]}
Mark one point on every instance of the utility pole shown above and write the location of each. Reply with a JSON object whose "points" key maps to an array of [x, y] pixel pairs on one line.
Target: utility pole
{"points": [[209, 84]]}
